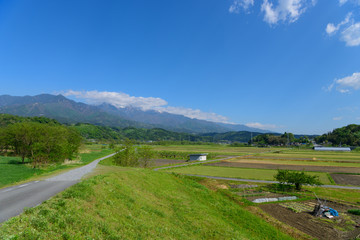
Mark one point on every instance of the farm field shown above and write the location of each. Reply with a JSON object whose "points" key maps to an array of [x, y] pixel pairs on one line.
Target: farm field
{"points": [[232, 172], [12, 171], [220, 149], [298, 215], [250, 159], [312, 155], [264, 165], [311, 168]]}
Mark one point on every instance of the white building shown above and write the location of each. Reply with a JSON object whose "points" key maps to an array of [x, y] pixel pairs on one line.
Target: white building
{"points": [[198, 157], [335, 149]]}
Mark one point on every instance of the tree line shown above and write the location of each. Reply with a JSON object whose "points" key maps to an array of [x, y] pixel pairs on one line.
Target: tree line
{"points": [[40, 143], [279, 140], [345, 136]]}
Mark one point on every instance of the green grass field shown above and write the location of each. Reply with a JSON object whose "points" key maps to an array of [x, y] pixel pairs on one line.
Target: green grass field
{"points": [[139, 204], [232, 172], [12, 171]]}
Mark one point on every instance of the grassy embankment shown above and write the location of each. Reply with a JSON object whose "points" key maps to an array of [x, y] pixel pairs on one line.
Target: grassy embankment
{"points": [[139, 204], [12, 171]]}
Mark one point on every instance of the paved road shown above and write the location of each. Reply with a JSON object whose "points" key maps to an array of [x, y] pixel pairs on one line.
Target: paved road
{"points": [[14, 199]]}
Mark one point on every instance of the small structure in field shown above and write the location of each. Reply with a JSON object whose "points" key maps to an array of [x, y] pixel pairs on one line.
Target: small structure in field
{"points": [[334, 149], [198, 157]]}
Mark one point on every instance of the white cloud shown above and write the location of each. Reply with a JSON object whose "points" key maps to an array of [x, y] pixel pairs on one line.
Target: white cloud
{"points": [[332, 28], [346, 84], [351, 35], [342, 2], [195, 113], [117, 99], [338, 118], [350, 82], [285, 10], [261, 126], [356, 2], [121, 100], [237, 5]]}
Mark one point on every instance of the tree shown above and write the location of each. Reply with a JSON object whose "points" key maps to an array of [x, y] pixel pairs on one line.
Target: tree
{"points": [[296, 178], [40, 142], [127, 156], [146, 154]]}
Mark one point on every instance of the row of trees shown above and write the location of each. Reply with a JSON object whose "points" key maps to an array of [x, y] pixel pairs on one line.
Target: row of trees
{"points": [[284, 139], [41, 143]]}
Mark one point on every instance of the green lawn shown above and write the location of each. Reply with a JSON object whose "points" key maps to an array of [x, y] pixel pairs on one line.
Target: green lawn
{"points": [[139, 204], [232, 172], [12, 171]]}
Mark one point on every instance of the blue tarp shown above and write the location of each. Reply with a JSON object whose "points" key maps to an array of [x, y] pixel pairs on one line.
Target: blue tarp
{"points": [[333, 212]]}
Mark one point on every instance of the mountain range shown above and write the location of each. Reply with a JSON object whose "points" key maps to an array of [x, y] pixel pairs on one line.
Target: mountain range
{"points": [[70, 112]]}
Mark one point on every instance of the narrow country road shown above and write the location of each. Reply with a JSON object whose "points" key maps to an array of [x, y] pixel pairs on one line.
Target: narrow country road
{"points": [[14, 199]]}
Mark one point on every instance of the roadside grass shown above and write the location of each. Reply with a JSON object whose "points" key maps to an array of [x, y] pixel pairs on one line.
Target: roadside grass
{"points": [[219, 149], [12, 171], [298, 162], [139, 204], [234, 172]]}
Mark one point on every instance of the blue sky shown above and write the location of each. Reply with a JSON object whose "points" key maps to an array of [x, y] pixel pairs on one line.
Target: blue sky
{"points": [[282, 65]]}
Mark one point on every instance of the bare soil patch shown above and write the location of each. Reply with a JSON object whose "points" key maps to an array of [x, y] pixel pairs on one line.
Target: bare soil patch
{"points": [[162, 162], [338, 228], [346, 179], [286, 166]]}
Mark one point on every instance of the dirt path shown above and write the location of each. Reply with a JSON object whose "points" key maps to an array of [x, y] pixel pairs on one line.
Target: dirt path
{"points": [[289, 167]]}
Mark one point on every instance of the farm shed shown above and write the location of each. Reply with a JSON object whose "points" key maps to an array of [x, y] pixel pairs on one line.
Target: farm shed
{"points": [[335, 149], [198, 157]]}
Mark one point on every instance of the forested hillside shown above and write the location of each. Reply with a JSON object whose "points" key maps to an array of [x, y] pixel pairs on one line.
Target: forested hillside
{"points": [[348, 135]]}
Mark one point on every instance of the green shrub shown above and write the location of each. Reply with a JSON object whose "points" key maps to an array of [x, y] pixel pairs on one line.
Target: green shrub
{"points": [[296, 178], [354, 211]]}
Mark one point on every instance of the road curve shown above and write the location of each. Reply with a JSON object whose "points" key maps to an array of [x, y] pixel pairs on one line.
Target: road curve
{"points": [[14, 199]]}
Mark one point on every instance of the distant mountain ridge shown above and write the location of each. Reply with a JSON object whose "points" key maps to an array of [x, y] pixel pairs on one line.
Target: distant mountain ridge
{"points": [[68, 111]]}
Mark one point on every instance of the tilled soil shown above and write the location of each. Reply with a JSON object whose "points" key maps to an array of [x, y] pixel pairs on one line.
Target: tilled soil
{"points": [[311, 225], [289, 167], [162, 162], [346, 179]]}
